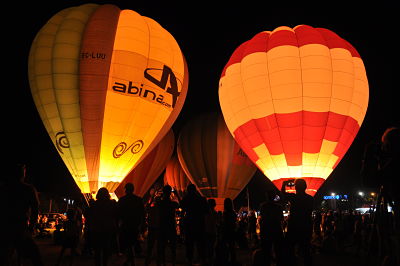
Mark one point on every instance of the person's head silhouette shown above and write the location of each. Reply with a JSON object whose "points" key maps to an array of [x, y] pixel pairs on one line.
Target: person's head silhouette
{"points": [[300, 185], [270, 195], [228, 204], [391, 141], [191, 188], [16, 173], [129, 188], [103, 194], [167, 189], [212, 203]]}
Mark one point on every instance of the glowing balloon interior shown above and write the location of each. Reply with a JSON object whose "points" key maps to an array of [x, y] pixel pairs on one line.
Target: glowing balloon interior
{"points": [[294, 100], [108, 85], [150, 168]]}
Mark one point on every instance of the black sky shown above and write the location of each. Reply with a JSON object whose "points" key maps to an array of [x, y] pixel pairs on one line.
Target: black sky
{"points": [[207, 36]]}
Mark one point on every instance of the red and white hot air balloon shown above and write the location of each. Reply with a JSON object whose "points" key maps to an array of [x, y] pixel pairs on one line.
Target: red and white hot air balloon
{"points": [[294, 100]]}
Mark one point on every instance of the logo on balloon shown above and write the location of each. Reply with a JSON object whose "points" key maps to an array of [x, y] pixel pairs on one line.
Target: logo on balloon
{"points": [[61, 141], [167, 75], [123, 147]]}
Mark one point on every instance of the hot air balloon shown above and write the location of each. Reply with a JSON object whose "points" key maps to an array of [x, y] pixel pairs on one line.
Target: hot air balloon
{"points": [[294, 100], [108, 85], [150, 168], [211, 158], [175, 176]]}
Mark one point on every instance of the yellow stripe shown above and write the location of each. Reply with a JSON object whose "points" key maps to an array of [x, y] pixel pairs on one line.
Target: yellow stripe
{"points": [[313, 164]]}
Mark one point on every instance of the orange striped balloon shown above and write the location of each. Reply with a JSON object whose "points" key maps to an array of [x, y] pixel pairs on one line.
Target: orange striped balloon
{"points": [[211, 158], [108, 85], [294, 100], [175, 176]]}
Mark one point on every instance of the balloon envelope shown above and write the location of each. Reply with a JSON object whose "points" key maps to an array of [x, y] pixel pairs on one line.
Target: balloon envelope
{"points": [[294, 100], [211, 158], [108, 85], [150, 168], [175, 176]]}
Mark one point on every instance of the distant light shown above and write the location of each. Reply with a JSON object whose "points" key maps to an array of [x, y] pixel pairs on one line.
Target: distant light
{"points": [[334, 196], [373, 194], [361, 193]]}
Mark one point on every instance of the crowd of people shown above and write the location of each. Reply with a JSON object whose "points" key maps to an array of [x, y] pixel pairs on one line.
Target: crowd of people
{"points": [[153, 229]]}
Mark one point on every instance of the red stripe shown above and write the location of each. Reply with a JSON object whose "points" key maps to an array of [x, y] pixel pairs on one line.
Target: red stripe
{"points": [[302, 35], [282, 37], [236, 57], [297, 132], [334, 41], [308, 35], [98, 40]]}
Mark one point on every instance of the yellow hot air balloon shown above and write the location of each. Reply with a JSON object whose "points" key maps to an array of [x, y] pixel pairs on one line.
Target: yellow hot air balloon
{"points": [[211, 158], [150, 168], [108, 85], [294, 100]]}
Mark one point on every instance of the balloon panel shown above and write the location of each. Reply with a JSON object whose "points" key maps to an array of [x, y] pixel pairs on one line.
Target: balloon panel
{"points": [[175, 176], [212, 159], [294, 99], [108, 85]]}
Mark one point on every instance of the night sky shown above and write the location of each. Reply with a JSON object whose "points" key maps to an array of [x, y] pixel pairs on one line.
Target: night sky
{"points": [[207, 36]]}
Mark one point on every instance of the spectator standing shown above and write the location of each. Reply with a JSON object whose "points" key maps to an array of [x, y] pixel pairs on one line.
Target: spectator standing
{"points": [[226, 248], [299, 229], [131, 218], [72, 231], [20, 202], [167, 233], [271, 232], [195, 208], [211, 225], [103, 224]]}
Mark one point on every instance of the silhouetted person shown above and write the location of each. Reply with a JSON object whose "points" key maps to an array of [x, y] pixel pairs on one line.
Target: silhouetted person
{"points": [[131, 218], [72, 230], [299, 229], [153, 227], [87, 232], [194, 207], [167, 233], [103, 226], [20, 213], [380, 170], [271, 231], [211, 225], [228, 235], [252, 228]]}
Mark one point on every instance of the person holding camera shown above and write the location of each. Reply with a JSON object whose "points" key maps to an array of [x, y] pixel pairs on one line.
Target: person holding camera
{"points": [[271, 231], [380, 171], [299, 229]]}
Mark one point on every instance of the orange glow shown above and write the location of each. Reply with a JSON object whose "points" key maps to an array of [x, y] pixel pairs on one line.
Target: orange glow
{"points": [[294, 100], [175, 176], [150, 168], [211, 158], [108, 85]]}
